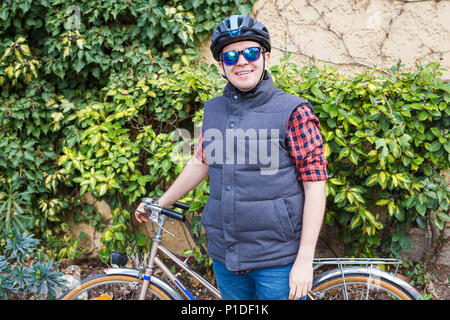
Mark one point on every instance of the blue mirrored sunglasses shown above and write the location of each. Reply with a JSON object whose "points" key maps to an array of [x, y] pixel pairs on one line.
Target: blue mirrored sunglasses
{"points": [[250, 54]]}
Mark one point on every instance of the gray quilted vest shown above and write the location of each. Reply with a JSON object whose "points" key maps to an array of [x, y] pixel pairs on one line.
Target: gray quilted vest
{"points": [[253, 217]]}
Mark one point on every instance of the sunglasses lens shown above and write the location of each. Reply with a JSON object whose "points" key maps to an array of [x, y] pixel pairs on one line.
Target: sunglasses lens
{"points": [[252, 54], [230, 57]]}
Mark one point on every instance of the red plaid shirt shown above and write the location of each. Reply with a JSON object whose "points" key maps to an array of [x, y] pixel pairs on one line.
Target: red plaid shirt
{"points": [[304, 143]]}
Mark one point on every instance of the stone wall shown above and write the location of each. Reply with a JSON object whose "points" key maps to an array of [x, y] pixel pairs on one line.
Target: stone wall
{"points": [[354, 35]]}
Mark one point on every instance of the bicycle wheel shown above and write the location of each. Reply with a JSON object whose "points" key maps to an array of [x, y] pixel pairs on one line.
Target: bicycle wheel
{"points": [[115, 287], [361, 284]]}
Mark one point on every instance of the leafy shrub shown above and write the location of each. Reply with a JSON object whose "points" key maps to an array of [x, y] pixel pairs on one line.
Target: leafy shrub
{"points": [[384, 162], [93, 94], [387, 143], [57, 58], [23, 272], [118, 155]]}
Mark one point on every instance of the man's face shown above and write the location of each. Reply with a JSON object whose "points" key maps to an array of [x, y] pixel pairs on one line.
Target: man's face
{"points": [[244, 75]]}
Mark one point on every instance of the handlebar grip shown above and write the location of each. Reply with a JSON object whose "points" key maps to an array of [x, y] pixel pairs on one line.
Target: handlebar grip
{"points": [[173, 214], [181, 205], [167, 212]]}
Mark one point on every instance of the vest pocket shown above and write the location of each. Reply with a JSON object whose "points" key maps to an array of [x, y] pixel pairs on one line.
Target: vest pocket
{"points": [[284, 219]]}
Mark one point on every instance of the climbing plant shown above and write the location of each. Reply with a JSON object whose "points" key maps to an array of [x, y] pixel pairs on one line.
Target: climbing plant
{"points": [[387, 143], [94, 94], [61, 62]]}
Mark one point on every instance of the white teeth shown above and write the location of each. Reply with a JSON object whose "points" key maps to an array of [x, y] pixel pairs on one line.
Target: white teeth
{"points": [[242, 73]]}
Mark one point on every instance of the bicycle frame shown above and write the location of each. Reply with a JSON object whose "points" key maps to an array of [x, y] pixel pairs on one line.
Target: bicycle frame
{"points": [[368, 262], [353, 273], [344, 266], [153, 261]]}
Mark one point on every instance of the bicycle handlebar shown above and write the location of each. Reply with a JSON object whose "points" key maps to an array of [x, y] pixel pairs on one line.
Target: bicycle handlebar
{"points": [[173, 214], [181, 205], [152, 205], [167, 212]]}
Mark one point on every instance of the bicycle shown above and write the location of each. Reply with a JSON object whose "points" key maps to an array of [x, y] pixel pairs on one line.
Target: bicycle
{"points": [[352, 279]]}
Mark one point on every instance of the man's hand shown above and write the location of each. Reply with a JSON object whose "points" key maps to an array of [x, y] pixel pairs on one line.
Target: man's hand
{"points": [[301, 276], [191, 176], [300, 279], [139, 213]]}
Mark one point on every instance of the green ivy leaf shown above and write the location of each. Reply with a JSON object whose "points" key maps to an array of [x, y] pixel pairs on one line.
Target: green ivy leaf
{"points": [[443, 216], [79, 65], [435, 146]]}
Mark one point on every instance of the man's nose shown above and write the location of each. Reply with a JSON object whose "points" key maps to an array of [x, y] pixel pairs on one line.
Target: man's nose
{"points": [[241, 59]]}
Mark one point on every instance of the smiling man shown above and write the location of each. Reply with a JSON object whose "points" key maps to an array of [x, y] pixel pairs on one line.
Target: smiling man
{"points": [[262, 220], [242, 73]]}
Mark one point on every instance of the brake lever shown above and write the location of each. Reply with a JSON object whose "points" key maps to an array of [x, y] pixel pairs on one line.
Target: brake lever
{"points": [[155, 215]]}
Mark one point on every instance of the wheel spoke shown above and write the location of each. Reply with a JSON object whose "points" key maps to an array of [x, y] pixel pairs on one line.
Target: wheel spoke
{"points": [[360, 289], [114, 288]]}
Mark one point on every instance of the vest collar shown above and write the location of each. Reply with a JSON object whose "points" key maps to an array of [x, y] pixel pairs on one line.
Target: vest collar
{"points": [[255, 97]]}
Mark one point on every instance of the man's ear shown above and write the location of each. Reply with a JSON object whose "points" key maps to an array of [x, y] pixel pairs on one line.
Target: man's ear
{"points": [[267, 57]]}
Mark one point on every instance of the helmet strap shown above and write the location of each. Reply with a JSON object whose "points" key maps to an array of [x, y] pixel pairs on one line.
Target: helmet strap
{"points": [[224, 74], [264, 69]]}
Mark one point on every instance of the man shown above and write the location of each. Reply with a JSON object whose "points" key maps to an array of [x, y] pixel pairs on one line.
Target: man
{"points": [[263, 215]]}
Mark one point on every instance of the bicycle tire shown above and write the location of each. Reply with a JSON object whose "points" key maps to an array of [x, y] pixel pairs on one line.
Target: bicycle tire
{"points": [[96, 282], [382, 286]]}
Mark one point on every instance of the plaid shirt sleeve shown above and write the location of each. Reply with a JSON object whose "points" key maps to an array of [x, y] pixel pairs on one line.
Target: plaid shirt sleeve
{"points": [[304, 143], [199, 152]]}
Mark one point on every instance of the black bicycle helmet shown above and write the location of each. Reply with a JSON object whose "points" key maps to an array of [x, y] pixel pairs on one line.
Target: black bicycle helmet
{"points": [[238, 28]]}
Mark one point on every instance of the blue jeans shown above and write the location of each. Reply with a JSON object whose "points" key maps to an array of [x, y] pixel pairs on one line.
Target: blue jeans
{"points": [[262, 284]]}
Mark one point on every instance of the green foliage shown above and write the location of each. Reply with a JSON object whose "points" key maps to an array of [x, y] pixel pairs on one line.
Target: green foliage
{"points": [[117, 155], [387, 144], [30, 179], [93, 95], [23, 273], [11, 202], [83, 44], [61, 63], [418, 276]]}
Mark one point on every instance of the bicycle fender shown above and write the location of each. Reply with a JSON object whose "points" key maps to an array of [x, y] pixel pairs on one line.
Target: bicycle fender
{"points": [[375, 273], [154, 280]]}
